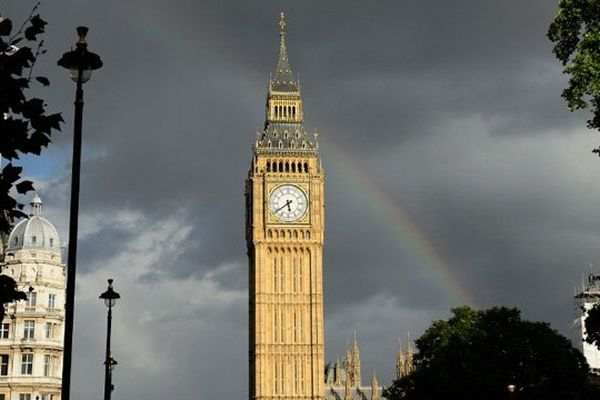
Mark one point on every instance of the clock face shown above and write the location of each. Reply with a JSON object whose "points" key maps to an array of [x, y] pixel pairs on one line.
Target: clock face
{"points": [[288, 203]]}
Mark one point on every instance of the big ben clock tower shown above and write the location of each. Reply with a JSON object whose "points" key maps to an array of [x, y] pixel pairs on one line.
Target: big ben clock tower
{"points": [[284, 234]]}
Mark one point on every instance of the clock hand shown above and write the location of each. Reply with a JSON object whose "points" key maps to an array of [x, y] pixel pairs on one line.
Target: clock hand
{"points": [[287, 204]]}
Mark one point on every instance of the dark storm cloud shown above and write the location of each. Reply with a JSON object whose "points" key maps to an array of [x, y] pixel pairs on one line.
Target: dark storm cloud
{"points": [[452, 108]]}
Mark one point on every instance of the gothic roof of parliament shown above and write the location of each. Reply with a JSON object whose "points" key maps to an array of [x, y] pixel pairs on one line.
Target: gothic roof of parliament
{"points": [[357, 393], [35, 232], [344, 375], [285, 137]]}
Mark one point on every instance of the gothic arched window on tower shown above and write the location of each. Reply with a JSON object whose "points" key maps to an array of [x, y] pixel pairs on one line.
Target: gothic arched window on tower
{"points": [[275, 275], [281, 274]]}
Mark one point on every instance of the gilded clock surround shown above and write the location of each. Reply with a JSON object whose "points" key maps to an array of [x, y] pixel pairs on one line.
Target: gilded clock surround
{"points": [[286, 338], [304, 219]]}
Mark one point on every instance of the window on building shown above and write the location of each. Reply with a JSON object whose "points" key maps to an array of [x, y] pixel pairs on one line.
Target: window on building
{"points": [[300, 377], [50, 330], [31, 299], [24, 396], [300, 277], [3, 364], [27, 364], [4, 331], [2, 396], [276, 326], [46, 396], [51, 301], [28, 329], [279, 377], [51, 242], [276, 272], [281, 272], [49, 365], [33, 239], [295, 328]]}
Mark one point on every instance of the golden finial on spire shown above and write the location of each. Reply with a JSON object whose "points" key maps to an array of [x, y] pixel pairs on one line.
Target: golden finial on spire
{"points": [[282, 23]]}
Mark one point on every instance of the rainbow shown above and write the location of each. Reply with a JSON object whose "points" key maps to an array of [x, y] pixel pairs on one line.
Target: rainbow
{"points": [[410, 236], [408, 233]]}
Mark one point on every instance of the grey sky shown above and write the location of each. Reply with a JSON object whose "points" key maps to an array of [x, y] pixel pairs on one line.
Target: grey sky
{"points": [[451, 109]]}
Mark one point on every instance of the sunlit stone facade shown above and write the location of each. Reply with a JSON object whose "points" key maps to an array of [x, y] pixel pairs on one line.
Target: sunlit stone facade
{"points": [[31, 334], [285, 226]]}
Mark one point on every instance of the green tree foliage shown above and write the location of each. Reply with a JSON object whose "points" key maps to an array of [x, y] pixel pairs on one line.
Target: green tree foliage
{"points": [[592, 326], [478, 354], [25, 126], [575, 32], [9, 293]]}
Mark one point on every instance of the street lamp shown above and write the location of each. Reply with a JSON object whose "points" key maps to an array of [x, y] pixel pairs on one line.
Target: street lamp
{"points": [[110, 300], [80, 62], [511, 390]]}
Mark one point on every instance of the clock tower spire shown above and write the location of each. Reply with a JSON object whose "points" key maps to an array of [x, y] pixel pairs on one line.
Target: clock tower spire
{"points": [[284, 236]]}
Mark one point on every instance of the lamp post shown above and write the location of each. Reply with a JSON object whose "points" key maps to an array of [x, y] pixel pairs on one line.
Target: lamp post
{"points": [[110, 299], [511, 390], [80, 62]]}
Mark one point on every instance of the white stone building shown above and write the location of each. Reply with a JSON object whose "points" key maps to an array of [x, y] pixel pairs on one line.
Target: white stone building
{"points": [[31, 334], [585, 298]]}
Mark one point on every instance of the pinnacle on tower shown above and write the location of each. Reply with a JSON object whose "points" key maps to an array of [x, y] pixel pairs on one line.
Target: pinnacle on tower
{"points": [[374, 387], [400, 360], [283, 79], [347, 390]]}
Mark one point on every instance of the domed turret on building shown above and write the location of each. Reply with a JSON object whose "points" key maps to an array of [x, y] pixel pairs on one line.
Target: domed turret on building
{"points": [[31, 333], [35, 232]]}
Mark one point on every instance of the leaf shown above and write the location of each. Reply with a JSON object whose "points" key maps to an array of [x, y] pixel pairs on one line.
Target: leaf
{"points": [[11, 173], [5, 27], [24, 187], [54, 121], [43, 80], [37, 21], [36, 27], [32, 108]]}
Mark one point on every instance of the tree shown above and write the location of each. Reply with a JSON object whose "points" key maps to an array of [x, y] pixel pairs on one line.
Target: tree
{"points": [[478, 354], [592, 326], [25, 126], [575, 32], [9, 293]]}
